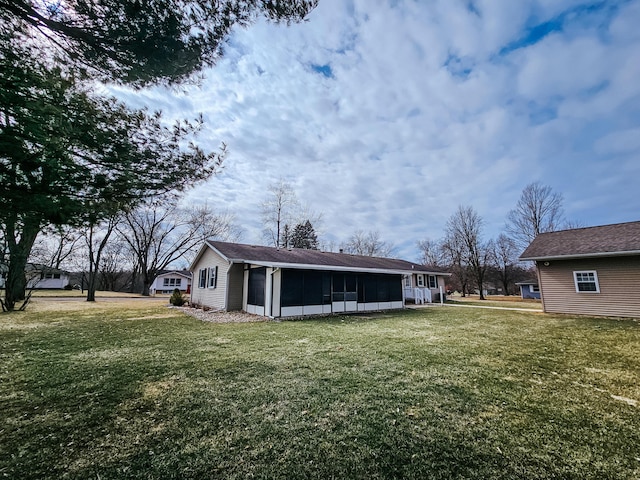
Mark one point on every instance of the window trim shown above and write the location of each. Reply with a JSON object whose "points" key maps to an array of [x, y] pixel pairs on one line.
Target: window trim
{"points": [[433, 284], [202, 279], [586, 272], [212, 281], [420, 280]]}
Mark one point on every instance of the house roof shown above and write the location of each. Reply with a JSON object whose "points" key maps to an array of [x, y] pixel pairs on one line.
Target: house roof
{"points": [[184, 273], [315, 259], [527, 282], [619, 239]]}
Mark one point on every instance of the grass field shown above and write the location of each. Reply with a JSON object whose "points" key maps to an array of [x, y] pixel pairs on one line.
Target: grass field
{"points": [[133, 389], [496, 301]]}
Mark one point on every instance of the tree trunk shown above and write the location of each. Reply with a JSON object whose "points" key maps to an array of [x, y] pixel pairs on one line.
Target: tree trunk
{"points": [[94, 262], [19, 250]]}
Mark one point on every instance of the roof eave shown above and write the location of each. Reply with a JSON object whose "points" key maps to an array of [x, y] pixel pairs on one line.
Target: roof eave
{"points": [[584, 255], [336, 268]]}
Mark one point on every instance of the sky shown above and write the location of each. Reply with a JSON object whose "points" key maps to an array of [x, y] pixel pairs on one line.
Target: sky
{"points": [[386, 115]]}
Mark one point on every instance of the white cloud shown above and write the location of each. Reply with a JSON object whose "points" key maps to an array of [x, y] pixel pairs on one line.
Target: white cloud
{"points": [[428, 105]]}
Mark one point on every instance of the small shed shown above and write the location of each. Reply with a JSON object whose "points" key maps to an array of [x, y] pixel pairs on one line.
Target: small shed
{"points": [[589, 271]]}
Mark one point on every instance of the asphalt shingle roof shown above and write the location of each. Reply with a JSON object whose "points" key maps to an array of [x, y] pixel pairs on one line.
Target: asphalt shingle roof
{"points": [[605, 240], [261, 254]]}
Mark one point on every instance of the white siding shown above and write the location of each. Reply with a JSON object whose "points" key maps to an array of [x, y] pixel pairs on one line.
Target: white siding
{"points": [[214, 298]]}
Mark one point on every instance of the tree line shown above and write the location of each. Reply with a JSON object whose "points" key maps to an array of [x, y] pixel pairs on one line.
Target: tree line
{"points": [[474, 260]]}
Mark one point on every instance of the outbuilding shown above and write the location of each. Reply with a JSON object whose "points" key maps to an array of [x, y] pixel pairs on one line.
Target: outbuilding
{"points": [[589, 271]]}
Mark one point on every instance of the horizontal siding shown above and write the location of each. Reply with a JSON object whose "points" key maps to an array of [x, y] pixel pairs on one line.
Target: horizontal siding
{"points": [[213, 298], [619, 280]]}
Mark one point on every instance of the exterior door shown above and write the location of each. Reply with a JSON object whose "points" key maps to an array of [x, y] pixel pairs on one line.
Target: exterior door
{"points": [[345, 293]]}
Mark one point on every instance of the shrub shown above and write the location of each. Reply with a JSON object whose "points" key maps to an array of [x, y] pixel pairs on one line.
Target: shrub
{"points": [[68, 286], [177, 299]]}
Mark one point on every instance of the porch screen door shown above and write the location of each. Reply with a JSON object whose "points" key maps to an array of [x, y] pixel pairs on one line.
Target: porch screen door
{"points": [[345, 293]]}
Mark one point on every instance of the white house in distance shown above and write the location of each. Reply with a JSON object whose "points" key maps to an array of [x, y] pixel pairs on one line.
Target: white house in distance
{"points": [[168, 280], [295, 282], [44, 277]]}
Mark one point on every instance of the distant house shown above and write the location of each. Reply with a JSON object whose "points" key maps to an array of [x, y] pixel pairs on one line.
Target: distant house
{"points": [[168, 280], [295, 282], [589, 271], [44, 277], [529, 289]]}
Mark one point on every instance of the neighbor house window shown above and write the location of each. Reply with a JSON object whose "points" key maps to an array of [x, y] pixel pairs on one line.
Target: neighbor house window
{"points": [[172, 282], [202, 278], [433, 281], [420, 279], [586, 281], [535, 288], [407, 280]]}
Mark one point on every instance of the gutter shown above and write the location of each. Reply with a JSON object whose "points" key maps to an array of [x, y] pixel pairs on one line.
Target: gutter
{"points": [[628, 253]]}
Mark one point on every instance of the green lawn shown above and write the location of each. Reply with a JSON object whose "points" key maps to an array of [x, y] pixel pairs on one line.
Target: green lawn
{"points": [[137, 390]]}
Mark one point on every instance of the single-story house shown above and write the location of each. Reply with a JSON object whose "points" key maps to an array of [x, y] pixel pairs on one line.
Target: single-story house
{"points": [[589, 271], [168, 280], [296, 282], [44, 277], [529, 289]]}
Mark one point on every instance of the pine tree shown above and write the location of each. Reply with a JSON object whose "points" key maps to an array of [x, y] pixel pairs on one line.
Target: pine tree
{"points": [[304, 236]]}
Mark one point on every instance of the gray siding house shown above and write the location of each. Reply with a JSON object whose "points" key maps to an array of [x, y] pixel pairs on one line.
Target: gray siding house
{"points": [[296, 282], [529, 289], [589, 271]]}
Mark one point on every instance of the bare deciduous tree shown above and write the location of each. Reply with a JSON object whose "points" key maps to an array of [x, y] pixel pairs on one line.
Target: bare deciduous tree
{"points": [[505, 257], [538, 210], [431, 253], [464, 229], [97, 238], [369, 244], [55, 246], [277, 210], [160, 233]]}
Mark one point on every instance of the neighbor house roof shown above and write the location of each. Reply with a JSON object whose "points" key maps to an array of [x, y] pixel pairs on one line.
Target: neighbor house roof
{"points": [[314, 259], [603, 241], [184, 273]]}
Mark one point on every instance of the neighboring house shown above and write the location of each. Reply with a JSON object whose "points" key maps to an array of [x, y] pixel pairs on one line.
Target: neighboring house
{"points": [[296, 282], [529, 289], [168, 280], [44, 277], [589, 271]]}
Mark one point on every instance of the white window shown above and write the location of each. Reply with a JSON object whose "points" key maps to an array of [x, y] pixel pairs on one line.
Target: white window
{"points": [[213, 277], [586, 281], [433, 281], [202, 278], [172, 282], [407, 280], [535, 288], [420, 280]]}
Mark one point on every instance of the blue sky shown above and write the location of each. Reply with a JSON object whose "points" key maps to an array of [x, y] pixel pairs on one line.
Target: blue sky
{"points": [[388, 115]]}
